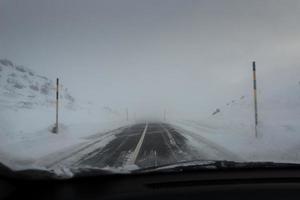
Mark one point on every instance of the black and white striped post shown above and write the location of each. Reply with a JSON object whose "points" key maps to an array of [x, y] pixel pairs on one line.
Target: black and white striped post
{"points": [[57, 102], [255, 97]]}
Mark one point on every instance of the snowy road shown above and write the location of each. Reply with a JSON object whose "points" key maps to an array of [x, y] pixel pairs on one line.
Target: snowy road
{"points": [[144, 145]]}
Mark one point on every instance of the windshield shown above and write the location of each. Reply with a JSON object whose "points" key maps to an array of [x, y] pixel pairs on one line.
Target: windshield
{"points": [[126, 85]]}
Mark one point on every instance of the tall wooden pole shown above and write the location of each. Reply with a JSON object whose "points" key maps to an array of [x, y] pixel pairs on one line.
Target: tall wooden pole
{"points": [[57, 98], [255, 97]]}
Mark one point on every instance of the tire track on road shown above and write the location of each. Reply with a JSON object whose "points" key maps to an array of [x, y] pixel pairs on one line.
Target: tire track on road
{"points": [[224, 153]]}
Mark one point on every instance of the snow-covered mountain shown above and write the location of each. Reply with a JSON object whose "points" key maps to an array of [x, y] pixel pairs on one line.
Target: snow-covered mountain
{"points": [[20, 87], [273, 105]]}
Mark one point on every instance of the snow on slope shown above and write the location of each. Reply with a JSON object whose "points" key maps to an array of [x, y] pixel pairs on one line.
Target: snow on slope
{"points": [[27, 114], [232, 126], [20, 87]]}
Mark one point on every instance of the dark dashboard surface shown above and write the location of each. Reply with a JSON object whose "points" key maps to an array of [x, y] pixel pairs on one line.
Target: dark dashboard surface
{"points": [[233, 184]]}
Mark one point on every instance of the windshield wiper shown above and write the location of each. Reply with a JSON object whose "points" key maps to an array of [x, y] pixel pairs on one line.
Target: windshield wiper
{"points": [[26, 173], [58, 173], [215, 165], [195, 165]]}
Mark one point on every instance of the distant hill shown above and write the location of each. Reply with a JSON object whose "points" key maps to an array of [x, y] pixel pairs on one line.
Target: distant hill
{"points": [[21, 87]]}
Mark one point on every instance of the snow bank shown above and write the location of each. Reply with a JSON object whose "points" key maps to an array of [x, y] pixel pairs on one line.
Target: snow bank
{"points": [[26, 134], [233, 128], [27, 115]]}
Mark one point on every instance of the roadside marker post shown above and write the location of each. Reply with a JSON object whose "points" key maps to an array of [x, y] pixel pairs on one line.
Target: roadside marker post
{"points": [[255, 97], [57, 102]]}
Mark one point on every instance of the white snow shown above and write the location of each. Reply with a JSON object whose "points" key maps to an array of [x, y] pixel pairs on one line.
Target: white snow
{"points": [[233, 128], [27, 116]]}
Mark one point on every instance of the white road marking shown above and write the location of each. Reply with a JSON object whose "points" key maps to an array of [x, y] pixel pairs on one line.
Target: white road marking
{"points": [[136, 151]]}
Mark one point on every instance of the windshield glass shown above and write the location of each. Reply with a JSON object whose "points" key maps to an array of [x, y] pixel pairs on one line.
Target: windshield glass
{"points": [[122, 85]]}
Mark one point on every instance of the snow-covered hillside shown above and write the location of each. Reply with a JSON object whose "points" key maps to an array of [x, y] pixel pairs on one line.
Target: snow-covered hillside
{"points": [[20, 87], [27, 115], [232, 125]]}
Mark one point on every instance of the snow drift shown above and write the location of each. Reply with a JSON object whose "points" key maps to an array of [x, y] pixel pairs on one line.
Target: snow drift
{"points": [[27, 115], [231, 125]]}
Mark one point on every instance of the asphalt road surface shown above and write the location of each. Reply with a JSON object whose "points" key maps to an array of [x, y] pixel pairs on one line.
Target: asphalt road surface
{"points": [[144, 145]]}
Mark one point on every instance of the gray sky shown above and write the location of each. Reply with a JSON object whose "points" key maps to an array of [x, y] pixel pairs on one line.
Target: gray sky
{"points": [[182, 55]]}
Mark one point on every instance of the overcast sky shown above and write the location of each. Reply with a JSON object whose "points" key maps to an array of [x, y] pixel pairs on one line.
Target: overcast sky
{"points": [[180, 55]]}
